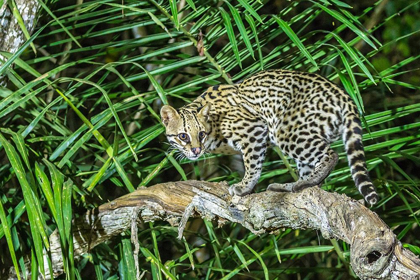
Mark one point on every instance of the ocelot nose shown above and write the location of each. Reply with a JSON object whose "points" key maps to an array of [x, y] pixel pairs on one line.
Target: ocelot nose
{"points": [[196, 151]]}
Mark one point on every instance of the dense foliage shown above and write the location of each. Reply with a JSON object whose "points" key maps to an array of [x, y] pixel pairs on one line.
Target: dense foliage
{"points": [[79, 125]]}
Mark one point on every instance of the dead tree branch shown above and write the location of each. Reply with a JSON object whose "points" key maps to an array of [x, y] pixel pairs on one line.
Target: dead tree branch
{"points": [[376, 253]]}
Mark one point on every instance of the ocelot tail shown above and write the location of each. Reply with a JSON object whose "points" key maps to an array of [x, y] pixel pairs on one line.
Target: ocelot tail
{"points": [[301, 113]]}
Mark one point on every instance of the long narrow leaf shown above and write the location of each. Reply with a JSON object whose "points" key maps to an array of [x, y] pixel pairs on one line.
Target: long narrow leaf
{"points": [[37, 222], [123, 175], [45, 7], [295, 39], [254, 32], [174, 11], [254, 13], [231, 34], [241, 28], [8, 235], [348, 23]]}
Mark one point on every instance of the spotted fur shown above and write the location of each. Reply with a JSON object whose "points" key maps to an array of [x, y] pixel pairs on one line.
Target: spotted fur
{"points": [[301, 113]]}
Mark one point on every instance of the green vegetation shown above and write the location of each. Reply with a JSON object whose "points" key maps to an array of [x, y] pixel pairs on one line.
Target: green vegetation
{"points": [[79, 125]]}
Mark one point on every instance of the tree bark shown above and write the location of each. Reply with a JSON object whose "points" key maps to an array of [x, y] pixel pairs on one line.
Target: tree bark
{"points": [[11, 35], [376, 253]]}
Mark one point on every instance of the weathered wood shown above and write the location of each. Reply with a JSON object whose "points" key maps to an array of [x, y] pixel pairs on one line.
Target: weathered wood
{"points": [[375, 251]]}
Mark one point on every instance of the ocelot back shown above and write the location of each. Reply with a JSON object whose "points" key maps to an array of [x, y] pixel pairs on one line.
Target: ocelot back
{"points": [[301, 113]]}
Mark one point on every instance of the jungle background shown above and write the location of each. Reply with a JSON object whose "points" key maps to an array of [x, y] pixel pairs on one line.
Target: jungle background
{"points": [[80, 126]]}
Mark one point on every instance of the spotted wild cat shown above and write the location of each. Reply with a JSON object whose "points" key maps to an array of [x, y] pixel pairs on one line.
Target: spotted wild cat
{"points": [[301, 113]]}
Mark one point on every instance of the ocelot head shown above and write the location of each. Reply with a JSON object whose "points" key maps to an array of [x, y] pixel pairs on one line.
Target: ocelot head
{"points": [[187, 129]]}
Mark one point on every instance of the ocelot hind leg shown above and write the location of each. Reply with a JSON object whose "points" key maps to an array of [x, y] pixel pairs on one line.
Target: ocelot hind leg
{"points": [[310, 175]]}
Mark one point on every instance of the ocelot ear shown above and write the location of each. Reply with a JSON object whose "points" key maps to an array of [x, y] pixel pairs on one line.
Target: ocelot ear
{"points": [[205, 112], [168, 113]]}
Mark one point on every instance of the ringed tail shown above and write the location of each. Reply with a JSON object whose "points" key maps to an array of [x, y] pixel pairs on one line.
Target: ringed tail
{"points": [[352, 138]]}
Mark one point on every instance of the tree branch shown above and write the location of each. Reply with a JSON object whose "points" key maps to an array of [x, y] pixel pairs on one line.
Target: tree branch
{"points": [[376, 253]]}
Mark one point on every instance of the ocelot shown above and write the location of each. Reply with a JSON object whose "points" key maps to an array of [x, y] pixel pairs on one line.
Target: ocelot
{"points": [[301, 113]]}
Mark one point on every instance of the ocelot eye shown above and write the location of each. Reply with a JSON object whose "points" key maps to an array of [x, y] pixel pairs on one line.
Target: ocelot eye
{"points": [[201, 135], [184, 137]]}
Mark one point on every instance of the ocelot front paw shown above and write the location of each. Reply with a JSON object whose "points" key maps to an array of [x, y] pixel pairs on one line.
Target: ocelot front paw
{"points": [[238, 189], [289, 187]]}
